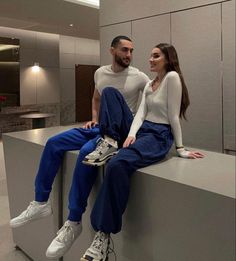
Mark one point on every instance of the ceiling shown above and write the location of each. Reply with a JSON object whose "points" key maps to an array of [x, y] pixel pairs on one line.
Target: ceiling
{"points": [[51, 16]]}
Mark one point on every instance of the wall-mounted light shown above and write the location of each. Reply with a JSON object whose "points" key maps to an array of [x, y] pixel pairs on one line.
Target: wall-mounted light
{"points": [[36, 68]]}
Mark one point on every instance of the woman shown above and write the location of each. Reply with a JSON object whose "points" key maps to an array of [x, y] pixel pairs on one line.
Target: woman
{"points": [[155, 126]]}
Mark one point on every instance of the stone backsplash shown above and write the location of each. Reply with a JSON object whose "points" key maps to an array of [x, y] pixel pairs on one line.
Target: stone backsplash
{"points": [[67, 115], [10, 117]]}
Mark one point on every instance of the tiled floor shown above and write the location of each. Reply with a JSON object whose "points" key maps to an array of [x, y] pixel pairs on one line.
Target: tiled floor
{"points": [[7, 247]]}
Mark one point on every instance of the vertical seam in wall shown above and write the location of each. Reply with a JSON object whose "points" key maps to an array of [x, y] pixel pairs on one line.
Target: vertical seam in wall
{"points": [[131, 29], [61, 200], [164, 13], [170, 29], [36, 88], [221, 75], [36, 73]]}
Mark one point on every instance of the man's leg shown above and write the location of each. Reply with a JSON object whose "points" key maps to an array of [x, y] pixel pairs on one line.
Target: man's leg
{"points": [[53, 154], [83, 179], [115, 119], [50, 162]]}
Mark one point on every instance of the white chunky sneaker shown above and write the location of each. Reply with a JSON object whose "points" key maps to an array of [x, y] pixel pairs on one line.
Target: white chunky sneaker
{"points": [[64, 240], [103, 152], [34, 211], [98, 251]]}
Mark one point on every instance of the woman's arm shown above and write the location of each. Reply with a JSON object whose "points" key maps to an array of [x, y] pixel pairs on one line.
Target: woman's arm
{"points": [[138, 120], [174, 93], [174, 96]]}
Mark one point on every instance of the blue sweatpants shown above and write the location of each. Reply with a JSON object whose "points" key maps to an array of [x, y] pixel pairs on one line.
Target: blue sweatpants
{"points": [[153, 141], [115, 117], [83, 177]]}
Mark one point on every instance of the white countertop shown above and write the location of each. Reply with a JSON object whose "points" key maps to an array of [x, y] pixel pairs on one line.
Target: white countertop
{"points": [[214, 173]]}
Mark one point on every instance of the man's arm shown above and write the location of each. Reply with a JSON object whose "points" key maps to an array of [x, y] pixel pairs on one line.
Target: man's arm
{"points": [[95, 110]]}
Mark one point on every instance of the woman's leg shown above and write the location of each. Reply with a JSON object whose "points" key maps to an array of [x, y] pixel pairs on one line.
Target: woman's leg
{"points": [[152, 144]]}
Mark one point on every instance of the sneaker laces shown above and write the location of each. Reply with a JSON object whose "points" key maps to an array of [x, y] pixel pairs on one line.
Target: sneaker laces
{"points": [[29, 209], [99, 241], [65, 233], [102, 146], [111, 249]]}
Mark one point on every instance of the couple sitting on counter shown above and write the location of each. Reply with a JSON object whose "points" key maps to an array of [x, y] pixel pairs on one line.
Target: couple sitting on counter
{"points": [[128, 138]]}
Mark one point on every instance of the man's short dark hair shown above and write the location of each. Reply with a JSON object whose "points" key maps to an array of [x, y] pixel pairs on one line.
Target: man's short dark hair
{"points": [[117, 39]]}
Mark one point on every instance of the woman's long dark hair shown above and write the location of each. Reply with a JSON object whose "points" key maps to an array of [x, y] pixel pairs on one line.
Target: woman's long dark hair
{"points": [[173, 65]]}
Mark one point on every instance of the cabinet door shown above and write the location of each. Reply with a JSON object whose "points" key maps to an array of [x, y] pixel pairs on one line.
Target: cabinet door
{"points": [[84, 78], [196, 35]]}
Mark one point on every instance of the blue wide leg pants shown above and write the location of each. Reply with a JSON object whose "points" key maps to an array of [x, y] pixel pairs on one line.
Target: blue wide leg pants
{"points": [[84, 176], [153, 141]]}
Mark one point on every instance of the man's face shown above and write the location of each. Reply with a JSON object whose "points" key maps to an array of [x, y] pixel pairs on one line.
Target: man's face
{"points": [[123, 53]]}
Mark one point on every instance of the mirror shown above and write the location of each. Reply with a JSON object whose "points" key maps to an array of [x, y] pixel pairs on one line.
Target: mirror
{"points": [[10, 70]]}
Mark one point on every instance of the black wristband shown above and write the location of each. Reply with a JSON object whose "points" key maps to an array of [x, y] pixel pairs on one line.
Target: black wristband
{"points": [[180, 147]]}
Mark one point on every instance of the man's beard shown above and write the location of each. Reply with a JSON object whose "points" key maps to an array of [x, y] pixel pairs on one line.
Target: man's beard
{"points": [[120, 62]]}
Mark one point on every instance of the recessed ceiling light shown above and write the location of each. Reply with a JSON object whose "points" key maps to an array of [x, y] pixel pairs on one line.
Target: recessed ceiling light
{"points": [[90, 3], [71, 25]]}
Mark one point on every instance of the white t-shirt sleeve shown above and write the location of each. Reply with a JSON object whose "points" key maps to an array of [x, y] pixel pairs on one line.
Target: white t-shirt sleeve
{"points": [[95, 78], [140, 115], [174, 96]]}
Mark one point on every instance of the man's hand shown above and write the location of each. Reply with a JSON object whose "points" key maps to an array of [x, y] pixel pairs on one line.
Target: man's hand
{"points": [[90, 124], [129, 140]]}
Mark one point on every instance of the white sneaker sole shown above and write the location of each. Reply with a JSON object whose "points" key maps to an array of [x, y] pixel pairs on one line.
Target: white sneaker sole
{"points": [[63, 251], [101, 161], [42, 215], [85, 259]]}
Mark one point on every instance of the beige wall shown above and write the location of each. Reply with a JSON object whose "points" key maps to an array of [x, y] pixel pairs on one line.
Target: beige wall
{"points": [[74, 51], [41, 87], [54, 84], [112, 12], [228, 54], [203, 33]]}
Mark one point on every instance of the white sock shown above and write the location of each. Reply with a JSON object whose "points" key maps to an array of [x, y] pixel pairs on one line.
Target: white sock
{"points": [[111, 141], [41, 203], [73, 223]]}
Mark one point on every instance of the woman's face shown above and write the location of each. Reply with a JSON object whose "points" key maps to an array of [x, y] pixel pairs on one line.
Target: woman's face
{"points": [[157, 61]]}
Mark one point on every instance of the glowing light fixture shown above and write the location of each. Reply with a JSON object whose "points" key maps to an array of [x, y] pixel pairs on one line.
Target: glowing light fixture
{"points": [[35, 68], [90, 3]]}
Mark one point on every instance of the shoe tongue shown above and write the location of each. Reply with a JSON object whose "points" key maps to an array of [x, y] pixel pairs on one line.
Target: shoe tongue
{"points": [[63, 235]]}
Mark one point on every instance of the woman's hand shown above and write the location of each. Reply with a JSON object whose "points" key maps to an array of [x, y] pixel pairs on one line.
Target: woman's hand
{"points": [[90, 124], [129, 140], [195, 155], [183, 153]]}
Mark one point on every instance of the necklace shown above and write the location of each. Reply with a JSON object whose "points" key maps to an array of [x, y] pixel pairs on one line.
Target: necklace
{"points": [[155, 81]]}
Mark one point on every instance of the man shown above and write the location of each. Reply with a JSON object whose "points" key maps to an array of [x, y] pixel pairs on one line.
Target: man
{"points": [[129, 81]]}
